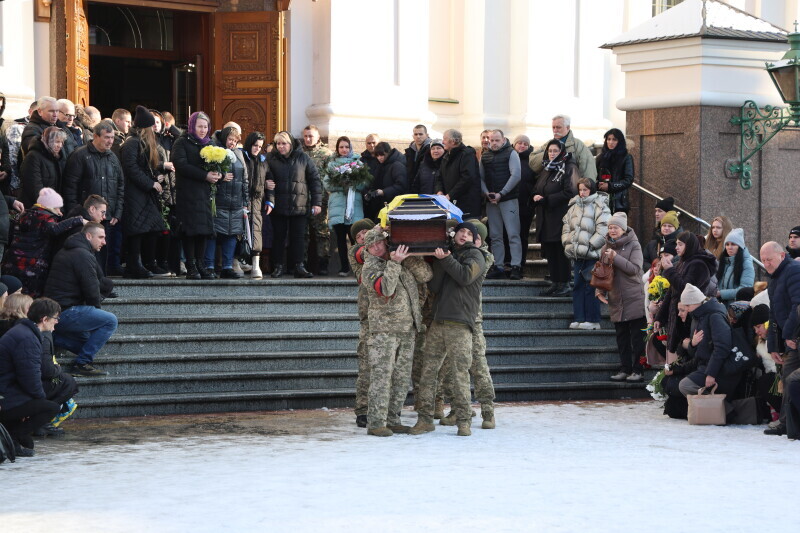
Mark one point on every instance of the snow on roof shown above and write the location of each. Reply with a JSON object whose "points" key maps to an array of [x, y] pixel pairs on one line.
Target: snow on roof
{"points": [[701, 18]]}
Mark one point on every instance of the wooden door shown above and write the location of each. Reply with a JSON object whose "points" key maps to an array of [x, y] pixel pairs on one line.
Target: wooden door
{"points": [[247, 71], [77, 38]]}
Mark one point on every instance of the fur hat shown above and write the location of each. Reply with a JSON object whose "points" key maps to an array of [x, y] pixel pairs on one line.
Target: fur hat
{"points": [[481, 227], [736, 236], [143, 118], [692, 295], [374, 235], [50, 198], [359, 225], [667, 204], [759, 315], [619, 219], [469, 226], [671, 218]]}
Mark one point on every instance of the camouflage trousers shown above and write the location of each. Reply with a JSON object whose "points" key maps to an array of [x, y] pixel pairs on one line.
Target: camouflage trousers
{"points": [[318, 224], [390, 357], [479, 371], [416, 369], [446, 340], [362, 381]]}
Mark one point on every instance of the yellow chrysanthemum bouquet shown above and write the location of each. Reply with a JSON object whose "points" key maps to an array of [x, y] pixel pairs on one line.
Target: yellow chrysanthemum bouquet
{"points": [[216, 159]]}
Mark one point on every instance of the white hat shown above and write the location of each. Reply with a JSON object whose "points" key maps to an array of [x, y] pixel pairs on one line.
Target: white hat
{"points": [[692, 295]]}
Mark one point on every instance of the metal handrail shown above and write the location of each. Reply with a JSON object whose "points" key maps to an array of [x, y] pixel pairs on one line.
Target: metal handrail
{"points": [[690, 215]]}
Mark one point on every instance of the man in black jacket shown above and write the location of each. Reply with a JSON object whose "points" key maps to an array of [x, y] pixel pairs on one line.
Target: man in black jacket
{"points": [[77, 283], [793, 248], [459, 178], [94, 169], [417, 149]]}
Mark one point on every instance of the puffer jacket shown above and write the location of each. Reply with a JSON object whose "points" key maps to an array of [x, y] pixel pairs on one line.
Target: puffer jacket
{"points": [[297, 183], [337, 202], [626, 299], [232, 197], [258, 173], [726, 285], [784, 298], [585, 226], [393, 295], [142, 205], [76, 277], [21, 365], [40, 169], [715, 348], [90, 171]]}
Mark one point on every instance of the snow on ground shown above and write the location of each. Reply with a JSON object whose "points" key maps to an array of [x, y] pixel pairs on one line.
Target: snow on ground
{"points": [[618, 466]]}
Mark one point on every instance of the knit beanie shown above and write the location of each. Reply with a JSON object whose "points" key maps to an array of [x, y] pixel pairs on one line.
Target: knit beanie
{"points": [[736, 236], [469, 226], [11, 282], [50, 198], [759, 315], [437, 142], [619, 219], [3, 289], [671, 218], [359, 226], [692, 295], [668, 248], [374, 235], [481, 227], [667, 204], [143, 118], [795, 231]]}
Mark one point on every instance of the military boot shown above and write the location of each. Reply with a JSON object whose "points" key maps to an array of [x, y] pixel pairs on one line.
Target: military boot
{"points": [[464, 430], [449, 420], [380, 432], [422, 426], [487, 412], [400, 428], [438, 410]]}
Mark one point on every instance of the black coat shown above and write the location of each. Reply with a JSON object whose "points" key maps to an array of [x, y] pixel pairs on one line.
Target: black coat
{"points": [[297, 183], [526, 178], [556, 188], [90, 171], [621, 171], [424, 181], [75, 276], [784, 300], [21, 365], [6, 204], [192, 191], [232, 197], [461, 180], [34, 129], [414, 157], [371, 161], [715, 348], [40, 169], [5, 160], [142, 207], [392, 179], [652, 248]]}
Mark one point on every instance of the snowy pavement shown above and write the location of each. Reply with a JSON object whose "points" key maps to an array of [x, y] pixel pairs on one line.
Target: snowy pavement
{"points": [[590, 466]]}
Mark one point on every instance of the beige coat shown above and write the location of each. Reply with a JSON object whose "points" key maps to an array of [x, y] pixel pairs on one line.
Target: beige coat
{"points": [[626, 299]]}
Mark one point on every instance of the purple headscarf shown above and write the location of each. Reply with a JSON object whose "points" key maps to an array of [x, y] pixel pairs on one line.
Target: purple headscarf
{"points": [[193, 123]]}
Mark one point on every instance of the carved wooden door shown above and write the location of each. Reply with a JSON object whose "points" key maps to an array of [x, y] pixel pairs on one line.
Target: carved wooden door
{"points": [[247, 71], [77, 38]]}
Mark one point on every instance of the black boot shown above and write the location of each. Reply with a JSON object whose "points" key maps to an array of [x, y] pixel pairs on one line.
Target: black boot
{"points": [[361, 421], [301, 272], [323, 266], [549, 290], [136, 270], [206, 273], [191, 270], [563, 289], [278, 272], [157, 270]]}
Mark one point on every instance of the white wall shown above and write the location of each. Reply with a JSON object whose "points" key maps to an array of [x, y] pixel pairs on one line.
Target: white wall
{"points": [[18, 66]]}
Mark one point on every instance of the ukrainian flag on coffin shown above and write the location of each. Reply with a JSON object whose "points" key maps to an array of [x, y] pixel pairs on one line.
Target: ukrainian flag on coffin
{"points": [[436, 205]]}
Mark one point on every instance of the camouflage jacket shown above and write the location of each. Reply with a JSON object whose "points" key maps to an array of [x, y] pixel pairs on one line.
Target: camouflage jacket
{"points": [[489, 257], [356, 256], [393, 296], [320, 154]]}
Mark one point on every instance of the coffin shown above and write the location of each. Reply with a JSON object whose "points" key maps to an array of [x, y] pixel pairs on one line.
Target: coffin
{"points": [[419, 222]]}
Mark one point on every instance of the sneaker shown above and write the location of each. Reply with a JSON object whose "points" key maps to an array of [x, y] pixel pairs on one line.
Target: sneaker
{"points": [[49, 430], [516, 273], [588, 325], [619, 376], [634, 378], [574, 325], [63, 415], [230, 273], [86, 370], [361, 421]]}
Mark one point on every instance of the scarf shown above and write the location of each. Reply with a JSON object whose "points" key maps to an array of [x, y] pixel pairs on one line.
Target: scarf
{"points": [[193, 124]]}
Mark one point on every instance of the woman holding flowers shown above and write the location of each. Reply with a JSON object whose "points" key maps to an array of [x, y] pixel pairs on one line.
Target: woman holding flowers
{"points": [[193, 181], [346, 177]]}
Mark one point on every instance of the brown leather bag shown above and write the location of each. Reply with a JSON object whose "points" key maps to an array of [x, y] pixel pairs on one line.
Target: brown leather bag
{"points": [[603, 274]]}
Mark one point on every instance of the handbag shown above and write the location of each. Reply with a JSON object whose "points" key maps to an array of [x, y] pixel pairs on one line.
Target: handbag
{"points": [[707, 409], [603, 274]]}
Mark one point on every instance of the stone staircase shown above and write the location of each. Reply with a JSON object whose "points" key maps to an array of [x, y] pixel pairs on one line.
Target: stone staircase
{"points": [[197, 347]]}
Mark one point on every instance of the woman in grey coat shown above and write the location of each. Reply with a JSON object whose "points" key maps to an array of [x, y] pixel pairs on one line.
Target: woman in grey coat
{"points": [[626, 298]]}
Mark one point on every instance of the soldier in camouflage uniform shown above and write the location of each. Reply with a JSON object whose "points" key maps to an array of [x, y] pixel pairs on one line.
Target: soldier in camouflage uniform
{"points": [[356, 253], [318, 223], [456, 284], [394, 315]]}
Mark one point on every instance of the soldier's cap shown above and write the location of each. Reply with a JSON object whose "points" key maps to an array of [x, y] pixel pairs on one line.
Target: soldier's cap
{"points": [[469, 226], [481, 227], [359, 226], [374, 235]]}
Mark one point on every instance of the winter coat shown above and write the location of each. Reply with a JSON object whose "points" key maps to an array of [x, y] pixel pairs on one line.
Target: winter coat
{"points": [[337, 202], [456, 284], [556, 188], [626, 299], [526, 182], [89, 171], [32, 250], [726, 286], [585, 226], [371, 161], [142, 206], [392, 289], [621, 172], [460, 179], [21, 365], [784, 298], [580, 154], [297, 183], [40, 169], [232, 197], [192, 191], [258, 173], [652, 248], [715, 348], [414, 157], [6, 205], [5, 159], [76, 277], [428, 172], [34, 129], [500, 172], [697, 270], [119, 138], [391, 178]]}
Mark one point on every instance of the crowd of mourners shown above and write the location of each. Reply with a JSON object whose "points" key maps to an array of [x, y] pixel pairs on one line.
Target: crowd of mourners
{"points": [[88, 199]]}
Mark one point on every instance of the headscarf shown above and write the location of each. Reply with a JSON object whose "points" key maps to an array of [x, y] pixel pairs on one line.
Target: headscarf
{"points": [[736, 310], [560, 160], [193, 124], [49, 136]]}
